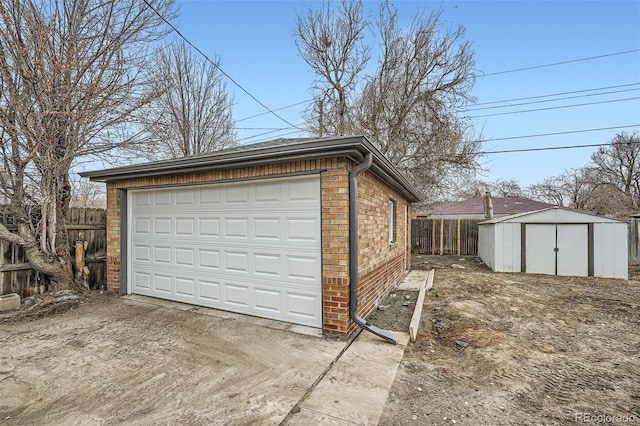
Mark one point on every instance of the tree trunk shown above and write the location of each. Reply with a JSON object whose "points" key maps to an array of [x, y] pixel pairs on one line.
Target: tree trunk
{"points": [[57, 267]]}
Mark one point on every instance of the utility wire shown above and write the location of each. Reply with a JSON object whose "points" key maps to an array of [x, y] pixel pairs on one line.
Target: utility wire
{"points": [[215, 65], [558, 63], [274, 131], [550, 100], [556, 94], [551, 148], [559, 133], [284, 134], [278, 109], [556, 107]]}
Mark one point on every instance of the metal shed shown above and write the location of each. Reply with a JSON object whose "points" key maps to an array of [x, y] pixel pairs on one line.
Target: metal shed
{"points": [[555, 241]]}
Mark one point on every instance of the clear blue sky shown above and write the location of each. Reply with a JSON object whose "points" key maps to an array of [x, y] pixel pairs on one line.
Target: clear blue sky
{"points": [[256, 44]]}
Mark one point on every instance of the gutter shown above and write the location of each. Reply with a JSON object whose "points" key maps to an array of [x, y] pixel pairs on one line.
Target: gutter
{"points": [[353, 147], [353, 254]]}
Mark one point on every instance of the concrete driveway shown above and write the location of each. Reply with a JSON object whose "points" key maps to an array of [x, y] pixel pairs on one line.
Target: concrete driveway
{"points": [[137, 360]]}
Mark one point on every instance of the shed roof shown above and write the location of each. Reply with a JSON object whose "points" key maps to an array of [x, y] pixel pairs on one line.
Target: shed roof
{"points": [[553, 215], [475, 206], [271, 152]]}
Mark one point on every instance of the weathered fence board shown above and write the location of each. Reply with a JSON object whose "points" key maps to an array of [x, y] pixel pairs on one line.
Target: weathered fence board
{"points": [[634, 241], [85, 224], [445, 236]]}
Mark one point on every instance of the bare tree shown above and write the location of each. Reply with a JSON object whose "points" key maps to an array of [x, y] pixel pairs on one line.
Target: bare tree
{"points": [[497, 188], [72, 74], [406, 107], [85, 193], [193, 112], [331, 43], [549, 190], [580, 189], [617, 167]]}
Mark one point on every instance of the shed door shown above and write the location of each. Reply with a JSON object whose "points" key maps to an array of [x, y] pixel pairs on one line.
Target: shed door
{"points": [[249, 247], [561, 249], [540, 247], [573, 250]]}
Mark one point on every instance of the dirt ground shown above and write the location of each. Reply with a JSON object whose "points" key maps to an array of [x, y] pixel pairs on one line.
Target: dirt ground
{"points": [[507, 349], [493, 349]]}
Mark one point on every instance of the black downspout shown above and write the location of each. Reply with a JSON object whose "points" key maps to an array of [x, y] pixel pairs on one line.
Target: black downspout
{"points": [[353, 254]]}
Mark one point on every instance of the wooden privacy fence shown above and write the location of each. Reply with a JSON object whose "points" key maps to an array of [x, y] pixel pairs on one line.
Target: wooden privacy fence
{"points": [[445, 236], [85, 224], [634, 241]]}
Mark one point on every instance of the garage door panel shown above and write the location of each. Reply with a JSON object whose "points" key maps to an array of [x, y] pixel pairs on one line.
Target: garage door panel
{"points": [[302, 192], [237, 294], [209, 227], [268, 264], [253, 247], [236, 227], [185, 226], [209, 291], [162, 226], [161, 283], [185, 197], [162, 198], [302, 229], [209, 259], [142, 280], [209, 195], [303, 268], [185, 256], [237, 194], [302, 305], [236, 262], [142, 253], [142, 199], [267, 228], [268, 192], [185, 286], [142, 226], [268, 299], [162, 255]]}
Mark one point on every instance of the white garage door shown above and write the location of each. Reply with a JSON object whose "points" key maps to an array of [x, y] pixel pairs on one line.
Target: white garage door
{"points": [[249, 247]]}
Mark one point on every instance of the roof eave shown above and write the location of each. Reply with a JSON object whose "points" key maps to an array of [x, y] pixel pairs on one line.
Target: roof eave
{"points": [[353, 147]]}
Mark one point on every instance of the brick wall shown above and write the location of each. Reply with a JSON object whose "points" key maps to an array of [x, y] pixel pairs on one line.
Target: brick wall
{"points": [[382, 263], [377, 256]]}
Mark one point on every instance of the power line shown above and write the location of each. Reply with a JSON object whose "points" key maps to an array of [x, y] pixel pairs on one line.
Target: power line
{"points": [[261, 128], [215, 65], [559, 133], [274, 131], [284, 134], [558, 63], [277, 109], [551, 100], [556, 94], [556, 107], [551, 148]]}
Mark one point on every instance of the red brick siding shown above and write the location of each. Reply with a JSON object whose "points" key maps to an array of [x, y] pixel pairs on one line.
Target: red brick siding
{"points": [[334, 178], [381, 264]]}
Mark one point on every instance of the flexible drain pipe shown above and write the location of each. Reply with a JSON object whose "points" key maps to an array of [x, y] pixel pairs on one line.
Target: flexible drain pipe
{"points": [[353, 254]]}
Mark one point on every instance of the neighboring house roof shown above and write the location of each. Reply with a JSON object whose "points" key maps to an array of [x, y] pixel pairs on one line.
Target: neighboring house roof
{"points": [[475, 206], [271, 152]]}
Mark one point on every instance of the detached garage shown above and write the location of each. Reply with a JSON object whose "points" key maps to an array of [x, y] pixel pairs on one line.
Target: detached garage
{"points": [[555, 241], [263, 230]]}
